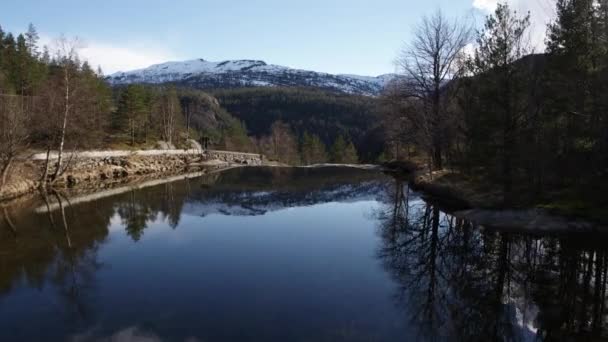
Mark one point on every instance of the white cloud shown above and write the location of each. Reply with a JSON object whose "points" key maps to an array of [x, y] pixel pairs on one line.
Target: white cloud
{"points": [[113, 57], [485, 5], [542, 12]]}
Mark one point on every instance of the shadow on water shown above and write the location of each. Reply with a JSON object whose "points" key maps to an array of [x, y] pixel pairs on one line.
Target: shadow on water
{"points": [[467, 283], [452, 280]]}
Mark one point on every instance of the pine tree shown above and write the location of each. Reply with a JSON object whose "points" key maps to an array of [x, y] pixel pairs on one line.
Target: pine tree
{"points": [[572, 33], [31, 40], [578, 56], [9, 52], [500, 45], [234, 137], [343, 151], [338, 150], [350, 154], [313, 150], [131, 112]]}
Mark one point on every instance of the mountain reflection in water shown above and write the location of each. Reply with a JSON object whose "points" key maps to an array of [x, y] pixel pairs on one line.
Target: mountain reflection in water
{"points": [[287, 254]]}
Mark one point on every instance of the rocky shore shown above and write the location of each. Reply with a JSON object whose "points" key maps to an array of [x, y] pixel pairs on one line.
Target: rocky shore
{"points": [[98, 169]]}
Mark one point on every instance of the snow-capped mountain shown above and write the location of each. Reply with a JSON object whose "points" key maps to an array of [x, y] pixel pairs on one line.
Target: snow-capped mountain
{"points": [[203, 74], [254, 203]]}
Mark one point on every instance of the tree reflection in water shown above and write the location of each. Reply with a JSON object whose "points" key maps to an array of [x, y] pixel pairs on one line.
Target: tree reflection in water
{"points": [[462, 282], [455, 280]]}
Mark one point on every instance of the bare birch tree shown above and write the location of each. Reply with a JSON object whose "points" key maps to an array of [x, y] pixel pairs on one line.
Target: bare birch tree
{"points": [[68, 62], [13, 131], [169, 111], [428, 63]]}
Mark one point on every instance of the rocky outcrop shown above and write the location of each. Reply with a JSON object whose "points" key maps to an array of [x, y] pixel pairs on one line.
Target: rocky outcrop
{"points": [[235, 157]]}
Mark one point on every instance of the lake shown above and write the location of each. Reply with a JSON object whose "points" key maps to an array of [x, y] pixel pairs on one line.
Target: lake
{"points": [[284, 254]]}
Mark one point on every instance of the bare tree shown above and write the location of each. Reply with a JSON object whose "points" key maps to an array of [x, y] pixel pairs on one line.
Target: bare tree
{"points": [[169, 111], [13, 131], [428, 64], [67, 59]]}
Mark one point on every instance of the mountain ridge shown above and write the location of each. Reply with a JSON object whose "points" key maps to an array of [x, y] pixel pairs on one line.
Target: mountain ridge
{"points": [[202, 74]]}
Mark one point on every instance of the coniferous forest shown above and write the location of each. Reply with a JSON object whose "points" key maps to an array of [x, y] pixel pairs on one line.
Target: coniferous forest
{"points": [[530, 125]]}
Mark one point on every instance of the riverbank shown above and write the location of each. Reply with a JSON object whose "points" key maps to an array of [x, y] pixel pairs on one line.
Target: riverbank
{"points": [[101, 169], [481, 202]]}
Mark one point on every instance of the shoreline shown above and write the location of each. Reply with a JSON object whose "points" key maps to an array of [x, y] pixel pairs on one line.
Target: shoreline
{"points": [[461, 198], [101, 169], [482, 204]]}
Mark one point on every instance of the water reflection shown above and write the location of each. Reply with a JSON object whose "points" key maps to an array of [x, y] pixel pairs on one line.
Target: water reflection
{"points": [[357, 257], [466, 283]]}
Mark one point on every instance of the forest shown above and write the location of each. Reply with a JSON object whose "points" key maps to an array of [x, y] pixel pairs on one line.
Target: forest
{"points": [[74, 108], [532, 126]]}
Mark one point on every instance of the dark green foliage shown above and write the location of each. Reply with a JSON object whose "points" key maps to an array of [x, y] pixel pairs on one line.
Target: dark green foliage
{"points": [[325, 114], [343, 152], [234, 137], [503, 96], [21, 71], [312, 149], [538, 124], [132, 112]]}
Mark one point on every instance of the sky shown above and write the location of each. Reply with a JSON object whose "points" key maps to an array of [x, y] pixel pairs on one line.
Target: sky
{"points": [[336, 36]]}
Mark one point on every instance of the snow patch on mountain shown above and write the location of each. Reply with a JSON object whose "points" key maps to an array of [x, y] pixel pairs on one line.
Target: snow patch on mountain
{"points": [[199, 73]]}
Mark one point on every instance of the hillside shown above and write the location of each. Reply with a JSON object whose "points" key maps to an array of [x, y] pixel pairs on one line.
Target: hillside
{"points": [[322, 113], [202, 74]]}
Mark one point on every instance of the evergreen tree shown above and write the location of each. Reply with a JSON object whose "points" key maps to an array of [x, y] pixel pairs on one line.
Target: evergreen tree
{"points": [[572, 34], [234, 138], [313, 150], [500, 45], [9, 52], [578, 57], [131, 112], [343, 151], [350, 154], [337, 150], [31, 40]]}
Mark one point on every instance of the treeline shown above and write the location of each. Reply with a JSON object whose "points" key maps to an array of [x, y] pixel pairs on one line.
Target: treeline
{"points": [[283, 145], [50, 100], [535, 124], [323, 114], [146, 114], [47, 98]]}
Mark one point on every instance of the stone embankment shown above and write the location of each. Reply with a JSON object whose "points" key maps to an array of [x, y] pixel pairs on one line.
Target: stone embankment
{"points": [[95, 168]]}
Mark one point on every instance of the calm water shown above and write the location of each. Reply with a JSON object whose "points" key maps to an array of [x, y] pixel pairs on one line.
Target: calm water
{"points": [[286, 255]]}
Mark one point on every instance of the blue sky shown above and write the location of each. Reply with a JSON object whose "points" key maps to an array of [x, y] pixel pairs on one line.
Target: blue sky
{"points": [[336, 36]]}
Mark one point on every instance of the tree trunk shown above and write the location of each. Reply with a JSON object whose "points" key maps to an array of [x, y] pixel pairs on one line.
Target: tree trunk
{"points": [[5, 170], [66, 112], [436, 125], [64, 220], [9, 222], [45, 173], [437, 161], [188, 124]]}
